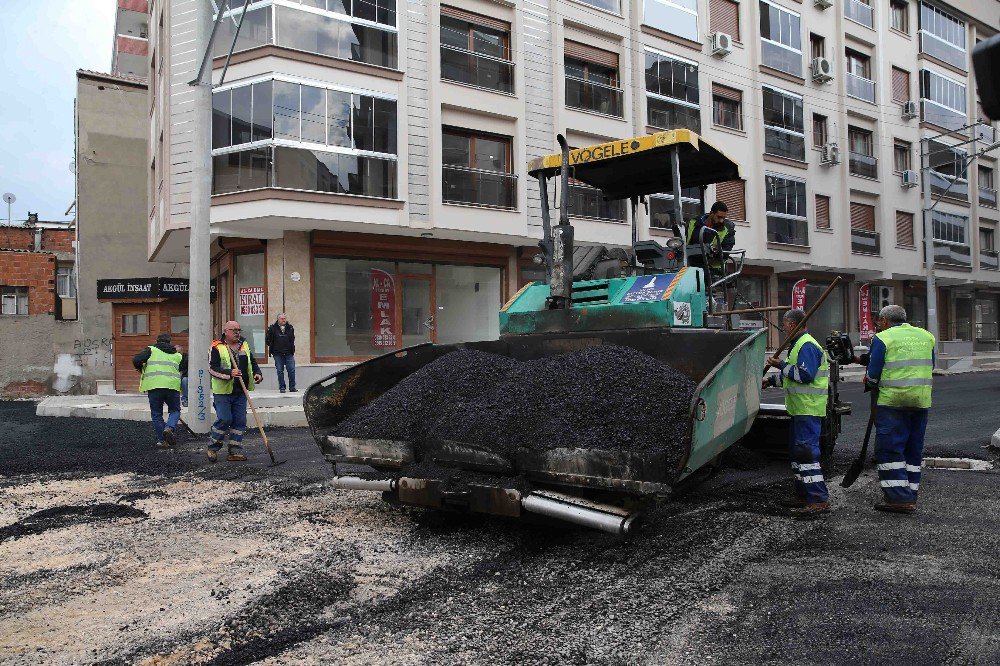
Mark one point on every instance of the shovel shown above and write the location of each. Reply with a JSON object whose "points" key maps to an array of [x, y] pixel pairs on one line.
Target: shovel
{"points": [[260, 426], [855, 471]]}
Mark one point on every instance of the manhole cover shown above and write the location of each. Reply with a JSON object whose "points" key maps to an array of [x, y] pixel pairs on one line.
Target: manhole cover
{"points": [[972, 464]]}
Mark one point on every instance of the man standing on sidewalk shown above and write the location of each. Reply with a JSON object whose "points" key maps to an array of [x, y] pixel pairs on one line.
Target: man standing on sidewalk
{"points": [[162, 366], [231, 358], [281, 341]]}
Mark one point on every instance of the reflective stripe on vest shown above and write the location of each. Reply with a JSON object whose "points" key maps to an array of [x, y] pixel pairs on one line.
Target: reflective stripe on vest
{"points": [[807, 399], [907, 374], [162, 370], [226, 386]]}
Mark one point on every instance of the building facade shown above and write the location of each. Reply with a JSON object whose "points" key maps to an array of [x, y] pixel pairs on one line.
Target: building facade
{"points": [[369, 156], [130, 51]]}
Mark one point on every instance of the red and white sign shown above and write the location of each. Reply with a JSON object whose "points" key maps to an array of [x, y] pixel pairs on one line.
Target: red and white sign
{"points": [[251, 301], [384, 333], [799, 295], [865, 323]]}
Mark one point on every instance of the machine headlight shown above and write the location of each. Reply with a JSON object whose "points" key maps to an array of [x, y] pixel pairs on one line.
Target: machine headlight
{"points": [[675, 243]]}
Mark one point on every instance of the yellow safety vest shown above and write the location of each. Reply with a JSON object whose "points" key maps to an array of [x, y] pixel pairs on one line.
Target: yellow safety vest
{"points": [[807, 399], [162, 370], [713, 244], [225, 386], [909, 367]]}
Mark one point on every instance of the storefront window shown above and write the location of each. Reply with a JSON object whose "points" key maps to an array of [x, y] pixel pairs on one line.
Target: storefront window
{"points": [[916, 309], [964, 315], [468, 303], [250, 299], [829, 317], [987, 317], [752, 293]]}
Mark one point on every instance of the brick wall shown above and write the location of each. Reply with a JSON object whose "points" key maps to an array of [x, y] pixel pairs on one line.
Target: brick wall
{"points": [[34, 270], [23, 238], [58, 240]]}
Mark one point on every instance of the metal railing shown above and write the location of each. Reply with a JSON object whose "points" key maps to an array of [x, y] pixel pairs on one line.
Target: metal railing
{"points": [[860, 88], [592, 96], [950, 254], [987, 197], [859, 12], [863, 165], [479, 187], [589, 202], [477, 69], [943, 116], [989, 260], [942, 50], [940, 184], [866, 242]]}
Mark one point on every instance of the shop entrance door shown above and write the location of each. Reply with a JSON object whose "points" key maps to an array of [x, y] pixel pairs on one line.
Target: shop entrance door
{"points": [[417, 309]]}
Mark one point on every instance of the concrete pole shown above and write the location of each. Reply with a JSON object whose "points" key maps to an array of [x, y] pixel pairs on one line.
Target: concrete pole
{"points": [[925, 170], [199, 416]]}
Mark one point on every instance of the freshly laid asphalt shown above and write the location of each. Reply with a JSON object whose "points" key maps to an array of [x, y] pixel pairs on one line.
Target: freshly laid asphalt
{"points": [[718, 575]]}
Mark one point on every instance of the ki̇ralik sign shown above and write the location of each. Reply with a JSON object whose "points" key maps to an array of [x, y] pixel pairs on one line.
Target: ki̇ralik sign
{"points": [[251, 301], [384, 333], [799, 295]]}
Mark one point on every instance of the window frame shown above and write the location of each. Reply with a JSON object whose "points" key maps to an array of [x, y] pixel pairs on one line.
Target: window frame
{"points": [[19, 294], [121, 324], [716, 116], [898, 148], [471, 136], [693, 106], [674, 5], [894, 6], [779, 44], [964, 230], [803, 218], [800, 133], [506, 45], [70, 276]]}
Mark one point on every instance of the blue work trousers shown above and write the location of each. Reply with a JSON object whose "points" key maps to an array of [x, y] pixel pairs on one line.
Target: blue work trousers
{"points": [[899, 451], [284, 362], [804, 451], [232, 420], [157, 399]]}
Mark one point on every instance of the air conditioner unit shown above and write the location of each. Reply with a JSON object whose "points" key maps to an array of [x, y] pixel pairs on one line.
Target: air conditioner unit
{"points": [[722, 44], [831, 154], [823, 4], [822, 70], [909, 110], [881, 297], [910, 178]]}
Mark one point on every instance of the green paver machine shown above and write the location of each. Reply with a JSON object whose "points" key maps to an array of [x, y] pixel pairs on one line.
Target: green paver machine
{"points": [[649, 299]]}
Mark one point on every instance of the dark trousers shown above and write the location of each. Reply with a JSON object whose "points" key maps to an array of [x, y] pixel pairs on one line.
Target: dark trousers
{"points": [[805, 454], [284, 362], [157, 399], [899, 451], [231, 410]]}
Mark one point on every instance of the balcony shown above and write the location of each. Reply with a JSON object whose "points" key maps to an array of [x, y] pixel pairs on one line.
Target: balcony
{"points": [[588, 202], [477, 69], [790, 231], [866, 242], [989, 260], [479, 187], [591, 96], [665, 114], [859, 12], [943, 116], [784, 144], [863, 165], [951, 254], [948, 187], [860, 88], [987, 197], [942, 50]]}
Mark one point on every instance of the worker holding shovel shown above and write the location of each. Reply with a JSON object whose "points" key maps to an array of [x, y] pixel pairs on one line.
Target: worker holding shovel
{"points": [[231, 362]]}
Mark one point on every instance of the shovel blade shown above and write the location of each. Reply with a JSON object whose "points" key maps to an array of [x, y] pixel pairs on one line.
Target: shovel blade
{"points": [[852, 474]]}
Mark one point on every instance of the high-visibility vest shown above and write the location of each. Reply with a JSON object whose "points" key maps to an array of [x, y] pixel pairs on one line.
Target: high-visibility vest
{"points": [[909, 367], [162, 370], [713, 244], [807, 399], [225, 386]]}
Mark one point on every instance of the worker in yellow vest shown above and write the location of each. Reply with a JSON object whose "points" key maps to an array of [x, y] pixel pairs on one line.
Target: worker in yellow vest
{"points": [[901, 364], [719, 235], [162, 366], [230, 358], [805, 376]]}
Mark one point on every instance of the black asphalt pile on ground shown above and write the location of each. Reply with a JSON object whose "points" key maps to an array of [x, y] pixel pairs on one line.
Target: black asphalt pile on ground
{"points": [[63, 516], [605, 397]]}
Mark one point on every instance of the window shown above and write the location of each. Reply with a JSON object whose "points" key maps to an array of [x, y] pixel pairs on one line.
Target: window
{"points": [[904, 229], [477, 169], [588, 202], [606, 5], [864, 238], [250, 299], [14, 300], [944, 100], [859, 83], [727, 107], [678, 17], [661, 207], [592, 79], [820, 136], [724, 16], [135, 324], [66, 279], [989, 259], [672, 92], [987, 240], [733, 193], [475, 50], [817, 46], [948, 227], [987, 188], [862, 156], [785, 202], [942, 35], [948, 175], [781, 38], [784, 132], [900, 85], [822, 211], [860, 12], [899, 16], [179, 324], [901, 151]]}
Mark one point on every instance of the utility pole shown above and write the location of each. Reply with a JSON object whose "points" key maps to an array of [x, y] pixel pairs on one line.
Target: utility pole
{"points": [[199, 417], [926, 213]]}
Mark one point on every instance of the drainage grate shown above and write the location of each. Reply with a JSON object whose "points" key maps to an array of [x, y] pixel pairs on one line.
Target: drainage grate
{"points": [[971, 464]]}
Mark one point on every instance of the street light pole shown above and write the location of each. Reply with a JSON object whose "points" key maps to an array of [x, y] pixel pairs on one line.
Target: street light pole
{"points": [[926, 212]]}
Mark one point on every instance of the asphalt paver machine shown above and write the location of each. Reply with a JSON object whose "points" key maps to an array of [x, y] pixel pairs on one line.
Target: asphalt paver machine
{"points": [[648, 297]]}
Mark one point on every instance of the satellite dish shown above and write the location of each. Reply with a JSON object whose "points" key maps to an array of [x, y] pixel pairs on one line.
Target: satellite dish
{"points": [[9, 198], [72, 166]]}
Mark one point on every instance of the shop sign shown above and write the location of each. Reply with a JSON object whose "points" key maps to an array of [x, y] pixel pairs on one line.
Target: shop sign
{"points": [[799, 295], [384, 333], [251, 302], [130, 288], [865, 324]]}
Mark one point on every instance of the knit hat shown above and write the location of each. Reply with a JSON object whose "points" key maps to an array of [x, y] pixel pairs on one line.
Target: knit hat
{"points": [[163, 338]]}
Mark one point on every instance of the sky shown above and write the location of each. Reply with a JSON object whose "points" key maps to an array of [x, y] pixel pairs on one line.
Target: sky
{"points": [[44, 43]]}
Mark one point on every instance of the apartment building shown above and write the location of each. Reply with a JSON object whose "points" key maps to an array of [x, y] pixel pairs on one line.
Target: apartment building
{"points": [[130, 52], [369, 156]]}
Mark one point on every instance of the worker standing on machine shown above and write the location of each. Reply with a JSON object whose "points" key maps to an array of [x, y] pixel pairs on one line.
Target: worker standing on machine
{"points": [[721, 238], [901, 364], [805, 376]]}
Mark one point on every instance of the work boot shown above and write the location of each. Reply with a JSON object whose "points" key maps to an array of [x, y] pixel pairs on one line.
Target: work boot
{"points": [[791, 502], [168, 436], [236, 455], [212, 454], [281, 390], [896, 507], [162, 445], [294, 390], [811, 510]]}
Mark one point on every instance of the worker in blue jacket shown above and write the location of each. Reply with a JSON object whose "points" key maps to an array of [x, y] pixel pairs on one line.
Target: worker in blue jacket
{"points": [[805, 377]]}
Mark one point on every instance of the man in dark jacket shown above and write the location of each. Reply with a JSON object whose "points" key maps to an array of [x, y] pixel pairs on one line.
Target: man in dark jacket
{"points": [[281, 341], [720, 235], [162, 367]]}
